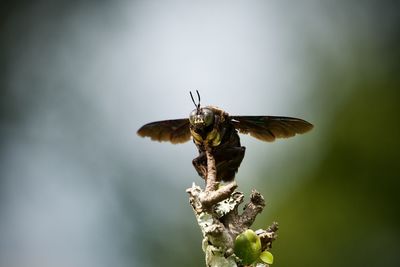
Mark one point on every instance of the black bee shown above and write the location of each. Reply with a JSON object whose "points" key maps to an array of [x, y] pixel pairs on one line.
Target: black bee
{"points": [[212, 128]]}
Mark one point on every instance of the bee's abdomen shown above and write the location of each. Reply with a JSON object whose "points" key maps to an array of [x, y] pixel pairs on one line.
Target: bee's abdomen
{"points": [[228, 162]]}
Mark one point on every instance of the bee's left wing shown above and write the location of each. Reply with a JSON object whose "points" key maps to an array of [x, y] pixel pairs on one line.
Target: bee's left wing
{"points": [[174, 131], [267, 128]]}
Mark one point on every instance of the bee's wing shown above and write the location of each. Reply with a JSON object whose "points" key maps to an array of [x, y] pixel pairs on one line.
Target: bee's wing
{"points": [[174, 131], [267, 128]]}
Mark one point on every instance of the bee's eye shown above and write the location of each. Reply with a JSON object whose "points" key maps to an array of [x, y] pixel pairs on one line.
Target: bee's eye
{"points": [[208, 116], [192, 116]]}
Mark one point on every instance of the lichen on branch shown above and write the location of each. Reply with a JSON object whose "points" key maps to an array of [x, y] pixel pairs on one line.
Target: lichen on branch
{"points": [[216, 211]]}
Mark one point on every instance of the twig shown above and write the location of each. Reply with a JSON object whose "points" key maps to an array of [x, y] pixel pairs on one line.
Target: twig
{"points": [[216, 210]]}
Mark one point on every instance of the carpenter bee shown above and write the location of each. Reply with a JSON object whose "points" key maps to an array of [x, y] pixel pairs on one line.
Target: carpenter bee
{"points": [[213, 129]]}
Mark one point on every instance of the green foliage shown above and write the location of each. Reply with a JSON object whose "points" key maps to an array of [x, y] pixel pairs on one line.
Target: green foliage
{"points": [[267, 257]]}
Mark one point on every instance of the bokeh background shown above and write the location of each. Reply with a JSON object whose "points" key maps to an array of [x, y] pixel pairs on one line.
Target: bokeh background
{"points": [[79, 188]]}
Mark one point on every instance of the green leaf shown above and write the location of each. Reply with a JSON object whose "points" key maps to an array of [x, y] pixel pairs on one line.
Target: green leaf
{"points": [[267, 257]]}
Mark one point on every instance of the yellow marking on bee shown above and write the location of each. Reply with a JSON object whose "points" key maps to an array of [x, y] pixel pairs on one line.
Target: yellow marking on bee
{"points": [[213, 138], [196, 137]]}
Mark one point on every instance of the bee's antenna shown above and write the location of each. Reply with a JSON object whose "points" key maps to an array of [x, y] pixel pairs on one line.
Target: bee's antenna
{"points": [[198, 96], [192, 99], [194, 102]]}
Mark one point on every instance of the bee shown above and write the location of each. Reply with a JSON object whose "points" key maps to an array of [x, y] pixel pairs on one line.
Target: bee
{"points": [[215, 130]]}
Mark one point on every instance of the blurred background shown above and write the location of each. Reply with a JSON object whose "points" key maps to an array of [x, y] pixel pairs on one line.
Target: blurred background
{"points": [[79, 188]]}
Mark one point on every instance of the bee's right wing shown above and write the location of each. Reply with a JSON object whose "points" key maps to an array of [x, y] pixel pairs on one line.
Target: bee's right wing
{"points": [[174, 131], [267, 128]]}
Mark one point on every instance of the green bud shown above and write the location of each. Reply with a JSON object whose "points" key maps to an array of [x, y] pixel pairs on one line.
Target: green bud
{"points": [[248, 246]]}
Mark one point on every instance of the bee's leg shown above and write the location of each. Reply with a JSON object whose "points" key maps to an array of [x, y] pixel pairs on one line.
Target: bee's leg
{"points": [[228, 161], [200, 164]]}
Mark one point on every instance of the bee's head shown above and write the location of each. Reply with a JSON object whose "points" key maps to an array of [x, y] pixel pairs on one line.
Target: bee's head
{"points": [[200, 117]]}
